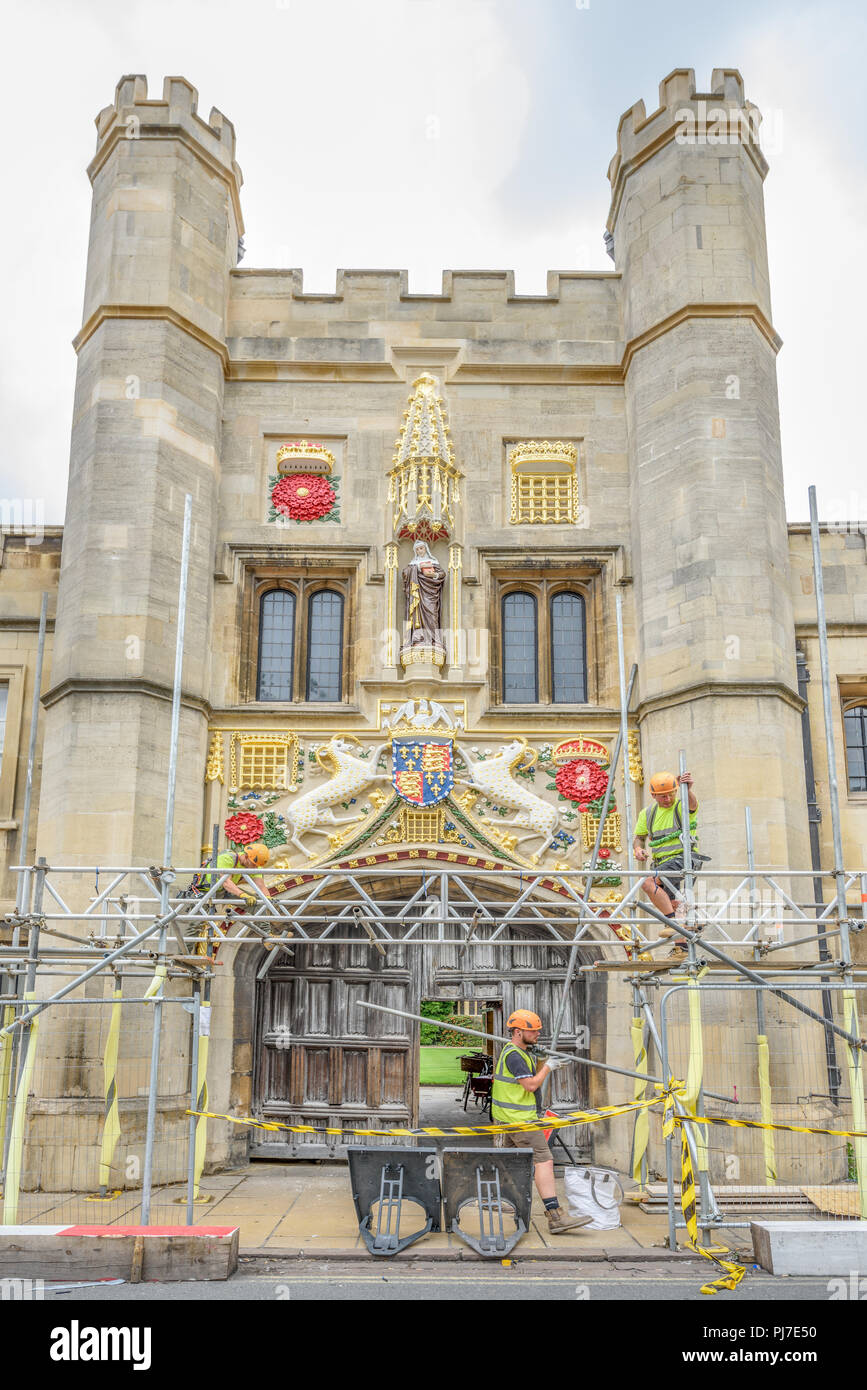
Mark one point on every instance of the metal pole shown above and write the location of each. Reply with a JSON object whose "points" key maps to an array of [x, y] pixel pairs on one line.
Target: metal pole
{"points": [[624, 743], [194, 1097], [708, 1204], [31, 751], [856, 1074], [588, 884], [176, 692], [757, 955], [833, 790], [150, 1130], [496, 1037], [17, 1110], [8, 1049]]}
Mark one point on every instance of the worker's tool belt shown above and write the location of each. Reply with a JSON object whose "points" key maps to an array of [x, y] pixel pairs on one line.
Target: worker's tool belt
{"points": [[673, 866]]}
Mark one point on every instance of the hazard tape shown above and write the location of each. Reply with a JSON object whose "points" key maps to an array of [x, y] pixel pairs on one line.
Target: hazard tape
{"points": [[732, 1273], [604, 1112], [761, 1124]]}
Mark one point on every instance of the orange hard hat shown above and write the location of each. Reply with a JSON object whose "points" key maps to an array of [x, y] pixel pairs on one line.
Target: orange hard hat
{"points": [[663, 782], [523, 1018], [259, 853]]}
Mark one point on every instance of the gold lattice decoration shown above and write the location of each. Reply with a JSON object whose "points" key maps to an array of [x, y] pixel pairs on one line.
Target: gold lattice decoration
{"points": [[610, 835], [422, 827], [265, 762], [416, 827], [544, 485]]}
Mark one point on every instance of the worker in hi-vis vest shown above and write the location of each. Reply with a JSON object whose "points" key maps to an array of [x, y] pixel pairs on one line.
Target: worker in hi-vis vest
{"points": [[662, 827], [515, 1099], [253, 856]]}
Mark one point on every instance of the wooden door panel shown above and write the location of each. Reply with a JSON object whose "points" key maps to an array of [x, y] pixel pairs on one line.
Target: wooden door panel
{"points": [[355, 1076], [319, 1007], [325, 1062], [393, 1076], [316, 1080]]}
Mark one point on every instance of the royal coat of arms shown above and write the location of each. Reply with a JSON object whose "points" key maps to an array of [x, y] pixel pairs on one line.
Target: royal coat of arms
{"points": [[422, 769]]}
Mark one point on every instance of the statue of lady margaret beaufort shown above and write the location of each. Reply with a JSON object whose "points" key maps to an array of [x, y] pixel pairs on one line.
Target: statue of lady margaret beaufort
{"points": [[423, 580]]}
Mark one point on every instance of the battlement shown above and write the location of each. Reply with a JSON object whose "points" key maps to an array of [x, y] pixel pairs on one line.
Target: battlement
{"points": [[721, 116], [134, 116], [464, 286]]}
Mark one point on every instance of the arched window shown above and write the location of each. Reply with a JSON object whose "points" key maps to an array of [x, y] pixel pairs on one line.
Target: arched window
{"points": [[855, 725], [520, 668], [276, 645], [568, 654], [324, 645]]}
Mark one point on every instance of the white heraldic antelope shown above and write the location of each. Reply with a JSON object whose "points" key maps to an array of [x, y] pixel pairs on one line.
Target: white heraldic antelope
{"points": [[493, 778], [351, 774]]}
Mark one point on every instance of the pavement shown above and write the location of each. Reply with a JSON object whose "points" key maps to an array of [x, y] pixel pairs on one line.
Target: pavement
{"points": [[306, 1210], [421, 1282]]}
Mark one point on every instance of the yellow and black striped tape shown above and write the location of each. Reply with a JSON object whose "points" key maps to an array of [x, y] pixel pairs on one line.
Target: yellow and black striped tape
{"points": [[574, 1117], [761, 1124], [732, 1273], [604, 1112]]}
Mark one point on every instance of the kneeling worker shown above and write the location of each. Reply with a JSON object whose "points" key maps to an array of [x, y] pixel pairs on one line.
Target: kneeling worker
{"points": [[253, 856], [515, 1100]]}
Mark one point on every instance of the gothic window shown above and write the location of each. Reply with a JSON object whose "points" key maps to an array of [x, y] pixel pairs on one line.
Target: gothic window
{"points": [[294, 647], [542, 643], [855, 725], [324, 645], [520, 645], [276, 645], [568, 658]]}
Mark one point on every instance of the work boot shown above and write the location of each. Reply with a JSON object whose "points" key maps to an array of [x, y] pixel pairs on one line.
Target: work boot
{"points": [[559, 1222], [678, 951]]}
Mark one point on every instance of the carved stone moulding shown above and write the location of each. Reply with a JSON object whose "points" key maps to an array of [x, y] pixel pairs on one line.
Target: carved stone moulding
{"points": [[422, 656]]}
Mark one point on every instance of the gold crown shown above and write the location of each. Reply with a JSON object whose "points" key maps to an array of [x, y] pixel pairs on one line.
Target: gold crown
{"points": [[304, 457], [543, 451]]}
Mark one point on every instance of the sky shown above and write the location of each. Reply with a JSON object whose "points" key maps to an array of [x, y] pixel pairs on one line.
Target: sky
{"points": [[432, 134]]}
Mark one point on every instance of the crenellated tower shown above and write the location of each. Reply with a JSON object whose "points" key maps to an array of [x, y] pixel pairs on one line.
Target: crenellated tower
{"points": [[164, 235], [714, 617]]}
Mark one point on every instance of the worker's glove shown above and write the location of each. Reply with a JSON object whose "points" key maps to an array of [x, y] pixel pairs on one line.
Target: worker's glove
{"points": [[552, 1063], [250, 900]]}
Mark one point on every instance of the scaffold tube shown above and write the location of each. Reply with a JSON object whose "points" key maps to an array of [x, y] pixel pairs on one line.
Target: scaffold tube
{"points": [[19, 1117]]}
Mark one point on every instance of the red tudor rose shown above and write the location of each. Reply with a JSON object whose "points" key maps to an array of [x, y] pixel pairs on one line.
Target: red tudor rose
{"points": [[244, 828], [303, 497], [581, 780]]}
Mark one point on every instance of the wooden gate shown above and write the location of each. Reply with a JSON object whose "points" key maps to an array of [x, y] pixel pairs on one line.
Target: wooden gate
{"points": [[323, 1061]]}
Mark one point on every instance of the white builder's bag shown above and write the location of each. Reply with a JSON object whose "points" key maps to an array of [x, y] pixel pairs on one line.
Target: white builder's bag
{"points": [[594, 1192]]}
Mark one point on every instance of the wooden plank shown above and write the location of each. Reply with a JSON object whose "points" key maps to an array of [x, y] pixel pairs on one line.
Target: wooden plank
{"points": [[25, 1252]]}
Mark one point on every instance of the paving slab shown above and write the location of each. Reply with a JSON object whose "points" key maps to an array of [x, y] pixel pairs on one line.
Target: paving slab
{"points": [[306, 1210]]}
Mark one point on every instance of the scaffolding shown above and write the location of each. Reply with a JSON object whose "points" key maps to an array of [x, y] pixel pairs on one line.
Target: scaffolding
{"points": [[130, 923]]}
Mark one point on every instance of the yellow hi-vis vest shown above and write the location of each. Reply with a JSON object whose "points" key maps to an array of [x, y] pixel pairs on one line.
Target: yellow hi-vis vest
{"points": [[510, 1103]]}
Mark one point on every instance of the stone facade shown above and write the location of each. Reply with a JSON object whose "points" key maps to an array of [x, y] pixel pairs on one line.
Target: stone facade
{"points": [[195, 373]]}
